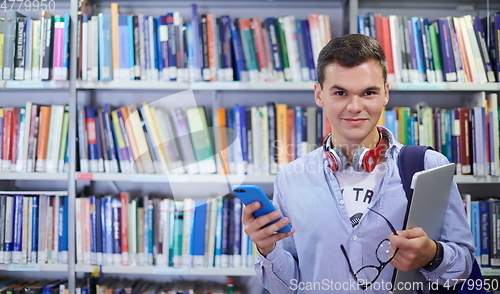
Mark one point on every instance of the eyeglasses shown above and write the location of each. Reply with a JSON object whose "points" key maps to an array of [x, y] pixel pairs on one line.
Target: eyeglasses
{"points": [[366, 275]]}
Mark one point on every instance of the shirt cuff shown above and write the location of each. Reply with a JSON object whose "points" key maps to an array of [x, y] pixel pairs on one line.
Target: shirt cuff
{"points": [[274, 260], [441, 269]]}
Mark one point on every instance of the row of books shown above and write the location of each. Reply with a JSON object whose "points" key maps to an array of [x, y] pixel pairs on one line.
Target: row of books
{"points": [[115, 46], [34, 138], [33, 227], [210, 48], [483, 217], [467, 136], [115, 285], [180, 141], [9, 285], [34, 49], [146, 231], [450, 49]]}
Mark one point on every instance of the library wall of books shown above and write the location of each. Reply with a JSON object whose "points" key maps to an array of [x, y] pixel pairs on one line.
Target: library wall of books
{"points": [[124, 125]]}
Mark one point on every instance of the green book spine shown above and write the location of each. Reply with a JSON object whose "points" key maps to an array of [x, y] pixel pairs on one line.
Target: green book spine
{"points": [[284, 51], [436, 54]]}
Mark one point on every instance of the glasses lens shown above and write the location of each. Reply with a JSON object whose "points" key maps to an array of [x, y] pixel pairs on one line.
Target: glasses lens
{"points": [[384, 251], [367, 275]]}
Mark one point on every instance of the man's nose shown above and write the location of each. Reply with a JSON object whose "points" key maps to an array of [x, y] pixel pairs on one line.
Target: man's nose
{"points": [[355, 104]]}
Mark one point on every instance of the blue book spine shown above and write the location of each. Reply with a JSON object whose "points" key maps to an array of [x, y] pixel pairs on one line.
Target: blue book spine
{"points": [[123, 54], [190, 51], [110, 135], [98, 230], [308, 50], [241, 132], [105, 53], [484, 213], [227, 225], [148, 65], [27, 48], [198, 241], [413, 67], [17, 239], [126, 152], [65, 55], [164, 40], [361, 23], [272, 34], [116, 243], [390, 121], [241, 73], [445, 45], [158, 54], [413, 131], [225, 40], [218, 232], [419, 49], [481, 38], [302, 50], [34, 226], [476, 230], [150, 231], [298, 131], [63, 230], [171, 47], [130, 45], [93, 229], [107, 229], [196, 42]]}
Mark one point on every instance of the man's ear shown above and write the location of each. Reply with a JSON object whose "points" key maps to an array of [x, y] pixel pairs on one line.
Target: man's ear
{"points": [[317, 94], [386, 99]]}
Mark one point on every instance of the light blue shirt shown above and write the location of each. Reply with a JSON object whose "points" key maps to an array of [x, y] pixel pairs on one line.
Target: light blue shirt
{"points": [[311, 261]]}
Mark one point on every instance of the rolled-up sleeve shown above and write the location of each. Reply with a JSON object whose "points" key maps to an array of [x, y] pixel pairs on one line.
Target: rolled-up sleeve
{"points": [[278, 271]]}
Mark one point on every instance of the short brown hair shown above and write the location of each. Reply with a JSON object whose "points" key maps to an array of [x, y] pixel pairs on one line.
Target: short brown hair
{"points": [[349, 51]]}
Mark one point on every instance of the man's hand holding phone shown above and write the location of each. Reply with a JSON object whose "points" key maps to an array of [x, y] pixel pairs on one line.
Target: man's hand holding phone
{"points": [[265, 237]]}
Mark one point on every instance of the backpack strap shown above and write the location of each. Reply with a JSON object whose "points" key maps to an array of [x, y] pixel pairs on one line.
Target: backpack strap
{"points": [[410, 160]]}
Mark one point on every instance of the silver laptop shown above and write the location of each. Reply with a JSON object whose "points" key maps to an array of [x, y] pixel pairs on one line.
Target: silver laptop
{"points": [[429, 202]]}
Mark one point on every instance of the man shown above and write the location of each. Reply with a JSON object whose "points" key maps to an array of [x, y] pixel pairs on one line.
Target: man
{"points": [[335, 209]]}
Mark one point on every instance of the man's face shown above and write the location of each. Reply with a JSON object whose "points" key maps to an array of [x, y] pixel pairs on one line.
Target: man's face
{"points": [[352, 98]]}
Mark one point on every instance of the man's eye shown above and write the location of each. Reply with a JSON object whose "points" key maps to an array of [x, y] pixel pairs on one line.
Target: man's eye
{"points": [[340, 93], [368, 93]]}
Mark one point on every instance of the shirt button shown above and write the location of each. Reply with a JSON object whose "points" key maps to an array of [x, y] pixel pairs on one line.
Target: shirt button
{"points": [[341, 201], [355, 237]]}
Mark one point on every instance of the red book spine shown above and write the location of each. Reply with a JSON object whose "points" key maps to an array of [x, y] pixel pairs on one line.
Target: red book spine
{"points": [[6, 138]]}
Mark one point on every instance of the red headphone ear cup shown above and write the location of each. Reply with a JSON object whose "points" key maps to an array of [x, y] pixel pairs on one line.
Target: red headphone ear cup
{"points": [[332, 163], [370, 160]]}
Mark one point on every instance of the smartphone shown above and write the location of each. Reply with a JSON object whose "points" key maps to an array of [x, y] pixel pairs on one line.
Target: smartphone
{"points": [[251, 193]]}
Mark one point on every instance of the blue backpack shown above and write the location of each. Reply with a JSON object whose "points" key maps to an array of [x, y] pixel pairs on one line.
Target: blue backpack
{"points": [[410, 161]]}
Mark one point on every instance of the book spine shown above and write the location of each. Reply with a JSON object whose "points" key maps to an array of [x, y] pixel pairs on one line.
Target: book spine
{"points": [[47, 53], [20, 49], [17, 240]]}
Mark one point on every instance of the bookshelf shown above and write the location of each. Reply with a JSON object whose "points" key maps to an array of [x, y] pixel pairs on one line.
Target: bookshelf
{"points": [[215, 94]]}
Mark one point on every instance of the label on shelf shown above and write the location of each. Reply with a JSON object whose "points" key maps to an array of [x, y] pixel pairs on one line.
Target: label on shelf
{"points": [[84, 176], [24, 268], [169, 271]]}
